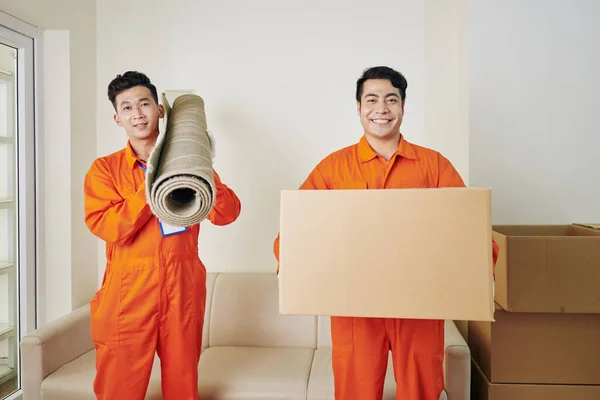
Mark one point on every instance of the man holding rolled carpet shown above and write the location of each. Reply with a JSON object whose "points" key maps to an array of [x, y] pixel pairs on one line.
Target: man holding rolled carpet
{"points": [[152, 298], [384, 159]]}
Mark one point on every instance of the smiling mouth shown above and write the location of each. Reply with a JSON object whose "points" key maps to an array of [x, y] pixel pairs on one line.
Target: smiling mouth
{"points": [[380, 121], [142, 125]]}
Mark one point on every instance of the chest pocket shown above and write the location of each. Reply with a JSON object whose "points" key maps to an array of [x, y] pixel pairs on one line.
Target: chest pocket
{"points": [[125, 190], [349, 184], [126, 185]]}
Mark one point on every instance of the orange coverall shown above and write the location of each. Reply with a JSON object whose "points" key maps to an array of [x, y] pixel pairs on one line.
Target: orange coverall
{"points": [[361, 345], [154, 289]]}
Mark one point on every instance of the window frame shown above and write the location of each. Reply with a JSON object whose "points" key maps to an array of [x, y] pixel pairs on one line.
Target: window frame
{"points": [[27, 39]]}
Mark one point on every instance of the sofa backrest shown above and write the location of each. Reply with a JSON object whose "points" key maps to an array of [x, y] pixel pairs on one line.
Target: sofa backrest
{"points": [[324, 332], [242, 309]]}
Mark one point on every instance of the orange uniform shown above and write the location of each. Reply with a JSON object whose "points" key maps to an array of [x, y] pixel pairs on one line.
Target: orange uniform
{"points": [[361, 345], [152, 298]]}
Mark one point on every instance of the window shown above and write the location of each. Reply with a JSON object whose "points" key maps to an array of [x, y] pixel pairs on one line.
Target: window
{"points": [[17, 200]]}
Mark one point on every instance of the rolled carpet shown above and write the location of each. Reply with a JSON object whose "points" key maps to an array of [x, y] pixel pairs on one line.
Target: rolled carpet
{"points": [[180, 188]]}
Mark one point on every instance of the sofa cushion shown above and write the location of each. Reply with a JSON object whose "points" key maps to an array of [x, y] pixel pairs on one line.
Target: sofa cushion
{"points": [[245, 312], [320, 386], [74, 381], [255, 373]]}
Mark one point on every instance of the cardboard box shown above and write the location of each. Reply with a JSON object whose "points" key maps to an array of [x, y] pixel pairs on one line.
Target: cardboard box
{"points": [[482, 389], [539, 348], [548, 268], [397, 253]]}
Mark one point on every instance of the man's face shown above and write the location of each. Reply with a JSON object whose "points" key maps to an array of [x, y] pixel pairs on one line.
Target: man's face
{"points": [[138, 113], [381, 109]]}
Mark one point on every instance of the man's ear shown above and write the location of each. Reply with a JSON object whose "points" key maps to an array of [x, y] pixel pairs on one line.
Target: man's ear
{"points": [[117, 120], [161, 111], [358, 108]]}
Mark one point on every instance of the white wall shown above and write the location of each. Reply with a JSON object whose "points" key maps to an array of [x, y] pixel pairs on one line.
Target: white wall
{"points": [[71, 260], [534, 108], [57, 267], [278, 79], [446, 108]]}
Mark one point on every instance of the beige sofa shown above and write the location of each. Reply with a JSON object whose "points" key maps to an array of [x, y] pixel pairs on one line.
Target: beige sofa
{"points": [[250, 351]]}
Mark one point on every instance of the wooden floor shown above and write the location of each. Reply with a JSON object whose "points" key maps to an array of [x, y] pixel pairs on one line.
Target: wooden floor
{"points": [[8, 387]]}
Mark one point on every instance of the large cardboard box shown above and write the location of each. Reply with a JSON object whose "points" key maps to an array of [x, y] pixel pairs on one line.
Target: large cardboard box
{"points": [[548, 268], [483, 389], [405, 253], [539, 348]]}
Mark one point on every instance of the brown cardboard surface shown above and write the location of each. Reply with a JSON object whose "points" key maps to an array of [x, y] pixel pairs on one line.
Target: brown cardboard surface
{"points": [[538, 348], [399, 253], [482, 389], [548, 268]]}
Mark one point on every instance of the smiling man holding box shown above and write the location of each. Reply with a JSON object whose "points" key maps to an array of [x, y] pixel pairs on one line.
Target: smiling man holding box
{"points": [[384, 159]]}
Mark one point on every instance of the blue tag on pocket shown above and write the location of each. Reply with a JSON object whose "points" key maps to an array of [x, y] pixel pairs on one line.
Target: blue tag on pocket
{"points": [[168, 230]]}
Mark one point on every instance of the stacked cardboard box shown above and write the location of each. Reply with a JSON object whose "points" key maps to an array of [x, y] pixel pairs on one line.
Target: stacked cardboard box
{"points": [[545, 340]]}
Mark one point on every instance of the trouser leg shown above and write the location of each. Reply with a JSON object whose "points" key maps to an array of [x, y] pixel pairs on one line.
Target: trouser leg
{"points": [[360, 356]]}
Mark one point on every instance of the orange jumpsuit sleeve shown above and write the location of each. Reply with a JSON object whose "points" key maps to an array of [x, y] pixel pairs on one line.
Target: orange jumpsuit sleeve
{"points": [[109, 216], [227, 206], [449, 177], [316, 180]]}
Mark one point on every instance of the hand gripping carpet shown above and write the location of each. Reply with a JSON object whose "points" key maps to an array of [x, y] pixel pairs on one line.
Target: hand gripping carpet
{"points": [[180, 187]]}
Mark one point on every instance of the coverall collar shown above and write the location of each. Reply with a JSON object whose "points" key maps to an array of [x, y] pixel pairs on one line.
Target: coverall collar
{"points": [[130, 156], [366, 152]]}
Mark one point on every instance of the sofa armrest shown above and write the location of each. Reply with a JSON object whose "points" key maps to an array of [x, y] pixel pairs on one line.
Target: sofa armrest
{"points": [[48, 348], [457, 363]]}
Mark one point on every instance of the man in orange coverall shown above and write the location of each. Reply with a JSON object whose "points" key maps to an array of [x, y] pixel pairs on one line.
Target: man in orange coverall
{"points": [[384, 159], [153, 293]]}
